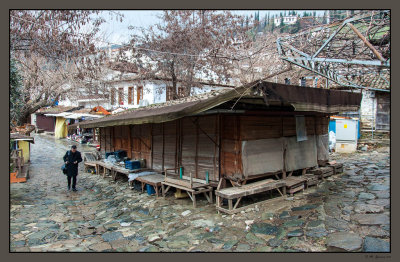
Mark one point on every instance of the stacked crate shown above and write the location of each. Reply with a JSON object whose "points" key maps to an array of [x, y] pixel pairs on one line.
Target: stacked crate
{"points": [[337, 168], [132, 164], [311, 179], [322, 172]]}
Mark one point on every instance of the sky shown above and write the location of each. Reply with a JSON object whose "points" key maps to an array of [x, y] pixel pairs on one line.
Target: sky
{"points": [[116, 32]]}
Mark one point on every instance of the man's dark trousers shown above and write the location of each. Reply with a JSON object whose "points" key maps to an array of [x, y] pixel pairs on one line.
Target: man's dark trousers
{"points": [[73, 178]]}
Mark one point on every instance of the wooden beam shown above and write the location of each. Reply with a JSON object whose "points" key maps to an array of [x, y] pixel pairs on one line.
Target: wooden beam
{"points": [[220, 183], [370, 46], [237, 202], [197, 150], [163, 145]]}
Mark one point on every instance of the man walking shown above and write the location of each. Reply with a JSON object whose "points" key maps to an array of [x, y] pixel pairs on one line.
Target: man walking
{"points": [[71, 159]]}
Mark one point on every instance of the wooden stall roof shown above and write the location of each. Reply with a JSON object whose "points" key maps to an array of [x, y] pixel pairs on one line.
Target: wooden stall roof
{"points": [[301, 98], [56, 109], [18, 136]]}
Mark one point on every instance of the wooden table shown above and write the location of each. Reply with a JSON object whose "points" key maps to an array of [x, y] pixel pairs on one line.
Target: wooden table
{"points": [[102, 166], [153, 180], [88, 164], [192, 189], [246, 190]]}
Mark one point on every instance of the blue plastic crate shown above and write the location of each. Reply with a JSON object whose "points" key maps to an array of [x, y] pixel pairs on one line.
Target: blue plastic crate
{"points": [[132, 164], [120, 154]]}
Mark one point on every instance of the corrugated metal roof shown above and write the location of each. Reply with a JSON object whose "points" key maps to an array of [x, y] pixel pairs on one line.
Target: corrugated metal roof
{"points": [[301, 98]]}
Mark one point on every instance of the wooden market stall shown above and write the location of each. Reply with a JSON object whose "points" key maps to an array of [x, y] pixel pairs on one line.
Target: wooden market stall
{"points": [[20, 157], [229, 137]]}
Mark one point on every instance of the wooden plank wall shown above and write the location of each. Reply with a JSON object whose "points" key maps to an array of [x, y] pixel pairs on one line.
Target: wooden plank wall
{"points": [[189, 146], [193, 142], [158, 147], [141, 143], [170, 144], [254, 127], [207, 147], [231, 162]]}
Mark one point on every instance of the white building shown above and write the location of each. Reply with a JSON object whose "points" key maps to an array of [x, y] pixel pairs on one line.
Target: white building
{"points": [[287, 20], [131, 92]]}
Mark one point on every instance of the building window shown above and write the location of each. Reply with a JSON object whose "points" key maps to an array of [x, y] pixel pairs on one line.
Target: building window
{"points": [[130, 95], [169, 93], [113, 96], [287, 81], [139, 93], [120, 96], [181, 91], [302, 81]]}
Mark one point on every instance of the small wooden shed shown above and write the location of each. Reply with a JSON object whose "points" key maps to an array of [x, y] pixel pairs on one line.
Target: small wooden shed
{"points": [[22, 142], [248, 132]]}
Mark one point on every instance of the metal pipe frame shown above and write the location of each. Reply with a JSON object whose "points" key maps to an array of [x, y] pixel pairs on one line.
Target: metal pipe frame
{"points": [[313, 63]]}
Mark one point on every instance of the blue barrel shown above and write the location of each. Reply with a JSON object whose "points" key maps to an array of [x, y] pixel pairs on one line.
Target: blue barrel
{"points": [[150, 190]]}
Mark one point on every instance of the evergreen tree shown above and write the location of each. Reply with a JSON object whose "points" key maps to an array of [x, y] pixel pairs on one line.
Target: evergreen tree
{"points": [[16, 102], [282, 26]]}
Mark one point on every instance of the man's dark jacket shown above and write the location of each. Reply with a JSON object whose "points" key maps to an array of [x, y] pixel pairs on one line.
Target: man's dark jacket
{"points": [[72, 169]]}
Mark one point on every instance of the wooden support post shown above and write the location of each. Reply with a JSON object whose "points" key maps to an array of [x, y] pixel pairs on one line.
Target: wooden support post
{"points": [[230, 204], [194, 200], [218, 203], [206, 195], [211, 197]]}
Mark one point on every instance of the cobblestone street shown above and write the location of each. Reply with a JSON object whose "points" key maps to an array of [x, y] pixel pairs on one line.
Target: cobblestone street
{"points": [[347, 212]]}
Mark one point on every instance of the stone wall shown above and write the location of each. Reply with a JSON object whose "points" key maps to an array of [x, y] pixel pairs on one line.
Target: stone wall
{"points": [[368, 109]]}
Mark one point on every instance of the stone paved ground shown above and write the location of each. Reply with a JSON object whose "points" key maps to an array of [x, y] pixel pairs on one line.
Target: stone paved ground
{"points": [[348, 212]]}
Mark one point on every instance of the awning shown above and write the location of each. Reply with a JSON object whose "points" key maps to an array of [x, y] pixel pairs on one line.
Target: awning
{"points": [[71, 115], [20, 137]]}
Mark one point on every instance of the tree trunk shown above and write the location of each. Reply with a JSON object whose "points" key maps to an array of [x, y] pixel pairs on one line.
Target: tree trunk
{"points": [[174, 81], [24, 116]]}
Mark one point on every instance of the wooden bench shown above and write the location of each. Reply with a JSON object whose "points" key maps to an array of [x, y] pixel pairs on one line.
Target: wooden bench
{"points": [[89, 160], [247, 190], [192, 186]]}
